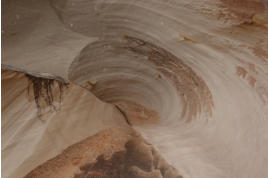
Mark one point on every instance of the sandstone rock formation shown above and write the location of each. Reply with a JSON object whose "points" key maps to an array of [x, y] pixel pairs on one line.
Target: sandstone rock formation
{"points": [[160, 88]]}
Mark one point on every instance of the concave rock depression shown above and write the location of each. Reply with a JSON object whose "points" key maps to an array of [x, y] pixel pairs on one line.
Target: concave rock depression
{"points": [[135, 88]]}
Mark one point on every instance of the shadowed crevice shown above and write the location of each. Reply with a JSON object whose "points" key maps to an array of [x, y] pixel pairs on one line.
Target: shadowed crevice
{"points": [[43, 90]]}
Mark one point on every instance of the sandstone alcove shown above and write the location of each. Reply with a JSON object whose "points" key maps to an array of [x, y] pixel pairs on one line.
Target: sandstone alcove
{"points": [[134, 88]]}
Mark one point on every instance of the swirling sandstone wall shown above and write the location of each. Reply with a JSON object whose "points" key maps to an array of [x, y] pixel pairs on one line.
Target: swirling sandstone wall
{"points": [[190, 76]]}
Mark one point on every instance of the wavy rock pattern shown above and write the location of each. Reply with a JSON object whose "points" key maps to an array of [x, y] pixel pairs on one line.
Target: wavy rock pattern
{"points": [[190, 76], [122, 79]]}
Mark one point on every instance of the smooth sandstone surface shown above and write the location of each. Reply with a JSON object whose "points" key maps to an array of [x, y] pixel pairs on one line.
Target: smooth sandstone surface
{"points": [[29, 139], [190, 76]]}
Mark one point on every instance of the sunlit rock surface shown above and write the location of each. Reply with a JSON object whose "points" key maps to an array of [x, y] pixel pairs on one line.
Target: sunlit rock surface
{"points": [[190, 76]]}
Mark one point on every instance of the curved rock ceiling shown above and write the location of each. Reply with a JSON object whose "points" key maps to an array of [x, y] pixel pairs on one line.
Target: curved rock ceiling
{"points": [[190, 76]]}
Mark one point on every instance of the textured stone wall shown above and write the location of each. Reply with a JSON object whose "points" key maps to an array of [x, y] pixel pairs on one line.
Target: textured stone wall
{"points": [[189, 76]]}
